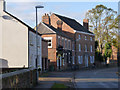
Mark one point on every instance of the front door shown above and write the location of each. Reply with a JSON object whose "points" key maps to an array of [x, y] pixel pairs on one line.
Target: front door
{"points": [[86, 60]]}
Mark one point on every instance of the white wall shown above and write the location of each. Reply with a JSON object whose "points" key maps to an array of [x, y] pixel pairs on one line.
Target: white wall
{"points": [[32, 50], [14, 43]]}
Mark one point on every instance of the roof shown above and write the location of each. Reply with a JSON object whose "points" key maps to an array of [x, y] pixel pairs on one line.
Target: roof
{"points": [[48, 29], [73, 24], [31, 29]]}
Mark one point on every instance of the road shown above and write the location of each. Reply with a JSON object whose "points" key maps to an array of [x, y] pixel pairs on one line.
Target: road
{"points": [[97, 78], [104, 78]]}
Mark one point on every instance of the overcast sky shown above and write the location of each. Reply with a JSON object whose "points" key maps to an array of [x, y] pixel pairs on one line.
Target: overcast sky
{"points": [[76, 10]]}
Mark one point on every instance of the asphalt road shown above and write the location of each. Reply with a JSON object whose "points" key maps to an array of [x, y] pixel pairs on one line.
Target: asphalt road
{"points": [[97, 78], [103, 78]]}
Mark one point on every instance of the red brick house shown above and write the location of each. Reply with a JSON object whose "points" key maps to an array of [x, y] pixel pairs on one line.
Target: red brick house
{"points": [[82, 42], [59, 46]]}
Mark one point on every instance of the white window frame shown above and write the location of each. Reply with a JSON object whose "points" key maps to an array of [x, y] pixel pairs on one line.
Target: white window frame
{"points": [[79, 36], [49, 38], [79, 47], [73, 60]]}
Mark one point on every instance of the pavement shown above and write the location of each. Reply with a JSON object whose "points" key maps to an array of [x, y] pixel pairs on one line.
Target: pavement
{"points": [[96, 78]]}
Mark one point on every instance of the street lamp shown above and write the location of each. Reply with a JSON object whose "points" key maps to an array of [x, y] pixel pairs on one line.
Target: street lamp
{"points": [[37, 34]]}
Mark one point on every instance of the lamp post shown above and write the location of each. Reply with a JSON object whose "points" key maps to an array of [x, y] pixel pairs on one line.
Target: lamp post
{"points": [[37, 37]]}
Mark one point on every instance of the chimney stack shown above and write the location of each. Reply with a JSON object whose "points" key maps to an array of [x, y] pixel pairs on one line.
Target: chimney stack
{"points": [[46, 19], [86, 23], [59, 25]]}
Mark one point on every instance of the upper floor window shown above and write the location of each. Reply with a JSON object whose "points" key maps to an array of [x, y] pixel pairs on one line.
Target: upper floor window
{"points": [[49, 41], [69, 44], [91, 48], [85, 48], [63, 42], [79, 47], [58, 40], [90, 38], [66, 43], [85, 37], [73, 47], [79, 37]]}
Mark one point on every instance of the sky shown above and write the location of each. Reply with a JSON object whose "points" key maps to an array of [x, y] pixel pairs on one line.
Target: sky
{"points": [[25, 11]]}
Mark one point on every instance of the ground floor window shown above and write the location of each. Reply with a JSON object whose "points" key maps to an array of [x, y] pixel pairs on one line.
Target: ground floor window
{"points": [[73, 60], [80, 59], [91, 59]]}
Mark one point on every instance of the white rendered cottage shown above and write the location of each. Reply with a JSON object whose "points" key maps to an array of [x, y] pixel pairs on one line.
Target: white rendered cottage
{"points": [[17, 42]]}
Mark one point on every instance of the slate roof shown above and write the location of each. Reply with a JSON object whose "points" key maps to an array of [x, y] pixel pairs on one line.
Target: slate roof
{"points": [[73, 24], [48, 29]]}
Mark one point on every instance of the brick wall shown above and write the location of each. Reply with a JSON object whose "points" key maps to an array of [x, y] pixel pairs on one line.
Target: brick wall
{"points": [[19, 79], [44, 55], [51, 51]]}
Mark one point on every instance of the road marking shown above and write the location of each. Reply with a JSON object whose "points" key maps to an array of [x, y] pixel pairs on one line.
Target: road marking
{"points": [[97, 80]]}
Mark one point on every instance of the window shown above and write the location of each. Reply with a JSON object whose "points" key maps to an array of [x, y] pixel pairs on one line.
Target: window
{"points": [[69, 44], [73, 60], [91, 48], [80, 59], [79, 37], [66, 43], [49, 41], [85, 37], [85, 48], [90, 38], [63, 42], [93, 59], [58, 40], [73, 46], [79, 47]]}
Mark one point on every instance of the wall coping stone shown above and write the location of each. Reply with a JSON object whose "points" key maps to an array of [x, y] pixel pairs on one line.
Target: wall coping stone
{"points": [[15, 73]]}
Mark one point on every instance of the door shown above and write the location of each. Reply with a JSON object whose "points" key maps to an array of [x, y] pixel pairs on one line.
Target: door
{"points": [[86, 60]]}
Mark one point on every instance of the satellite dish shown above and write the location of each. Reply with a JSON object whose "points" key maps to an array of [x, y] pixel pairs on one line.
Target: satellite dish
{"points": [[6, 17]]}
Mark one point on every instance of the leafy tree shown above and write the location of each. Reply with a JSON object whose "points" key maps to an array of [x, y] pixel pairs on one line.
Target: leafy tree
{"points": [[102, 21], [108, 50]]}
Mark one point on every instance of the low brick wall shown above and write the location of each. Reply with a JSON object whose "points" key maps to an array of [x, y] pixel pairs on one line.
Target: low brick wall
{"points": [[25, 78]]}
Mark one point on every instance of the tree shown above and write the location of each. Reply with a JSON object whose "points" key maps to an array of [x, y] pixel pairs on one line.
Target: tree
{"points": [[108, 50], [101, 19]]}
